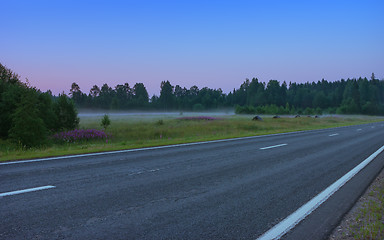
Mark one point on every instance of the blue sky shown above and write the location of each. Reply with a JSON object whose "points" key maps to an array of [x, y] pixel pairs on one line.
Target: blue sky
{"points": [[205, 43]]}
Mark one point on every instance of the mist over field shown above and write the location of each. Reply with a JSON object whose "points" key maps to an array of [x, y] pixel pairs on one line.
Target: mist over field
{"points": [[85, 114]]}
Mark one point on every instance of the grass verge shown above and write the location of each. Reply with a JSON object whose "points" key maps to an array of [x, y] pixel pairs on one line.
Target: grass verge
{"points": [[365, 220], [138, 133], [369, 221]]}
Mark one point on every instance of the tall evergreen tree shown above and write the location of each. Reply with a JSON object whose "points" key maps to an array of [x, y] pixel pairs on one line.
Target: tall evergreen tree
{"points": [[140, 95], [166, 95]]}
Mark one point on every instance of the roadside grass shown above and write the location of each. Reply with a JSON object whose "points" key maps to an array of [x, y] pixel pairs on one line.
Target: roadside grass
{"points": [[368, 223], [129, 133]]}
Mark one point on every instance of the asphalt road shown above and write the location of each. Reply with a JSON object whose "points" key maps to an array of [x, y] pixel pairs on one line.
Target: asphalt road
{"points": [[236, 189]]}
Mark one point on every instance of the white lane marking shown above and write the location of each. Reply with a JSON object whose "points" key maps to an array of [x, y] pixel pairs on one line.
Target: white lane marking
{"points": [[275, 146], [359, 129], [373, 127], [335, 134], [292, 220], [144, 171], [167, 146], [26, 190]]}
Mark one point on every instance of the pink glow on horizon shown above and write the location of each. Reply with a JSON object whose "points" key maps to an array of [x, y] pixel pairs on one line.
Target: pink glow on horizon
{"points": [[202, 43]]}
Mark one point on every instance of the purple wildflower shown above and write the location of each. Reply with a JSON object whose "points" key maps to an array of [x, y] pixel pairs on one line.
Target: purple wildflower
{"points": [[80, 135]]}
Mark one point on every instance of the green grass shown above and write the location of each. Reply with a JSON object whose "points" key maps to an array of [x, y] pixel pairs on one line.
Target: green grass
{"points": [[368, 224], [131, 132]]}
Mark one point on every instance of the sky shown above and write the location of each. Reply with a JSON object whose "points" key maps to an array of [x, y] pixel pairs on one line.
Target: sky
{"points": [[215, 44]]}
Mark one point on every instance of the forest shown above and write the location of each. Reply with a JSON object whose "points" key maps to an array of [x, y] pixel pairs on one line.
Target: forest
{"points": [[29, 117], [351, 96]]}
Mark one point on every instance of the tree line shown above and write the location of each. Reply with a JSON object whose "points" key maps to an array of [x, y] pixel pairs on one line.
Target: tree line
{"points": [[28, 116], [123, 97], [351, 96]]}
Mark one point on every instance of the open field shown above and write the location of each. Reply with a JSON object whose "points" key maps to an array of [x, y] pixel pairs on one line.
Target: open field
{"points": [[155, 129]]}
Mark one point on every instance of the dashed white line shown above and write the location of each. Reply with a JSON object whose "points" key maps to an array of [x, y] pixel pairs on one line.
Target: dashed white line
{"points": [[275, 146], [335, 134], [359, 129], [144, 171], [292, 220], [159, 147], [25, 191]]}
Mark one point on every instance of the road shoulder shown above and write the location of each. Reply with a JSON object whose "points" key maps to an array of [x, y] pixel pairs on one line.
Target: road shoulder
{"points": [[365, 217]]}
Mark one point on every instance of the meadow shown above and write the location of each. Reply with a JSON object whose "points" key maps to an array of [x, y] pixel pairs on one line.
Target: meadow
{"points": [[128, 131]]}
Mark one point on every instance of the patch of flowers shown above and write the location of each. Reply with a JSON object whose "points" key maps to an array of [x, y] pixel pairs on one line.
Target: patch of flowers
{"points": [[79, 135], [206, 118]]}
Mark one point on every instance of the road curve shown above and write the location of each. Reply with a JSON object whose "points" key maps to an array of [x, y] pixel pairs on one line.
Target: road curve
{"points": [[236, 189]]}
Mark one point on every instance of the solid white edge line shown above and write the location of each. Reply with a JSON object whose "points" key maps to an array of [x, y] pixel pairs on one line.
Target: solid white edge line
{"points": [[275, 146], [167, 146], [25, 190], [292, 220]]}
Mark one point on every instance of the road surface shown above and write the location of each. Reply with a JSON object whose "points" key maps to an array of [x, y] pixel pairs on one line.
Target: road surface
{"points": [[231, 189]]}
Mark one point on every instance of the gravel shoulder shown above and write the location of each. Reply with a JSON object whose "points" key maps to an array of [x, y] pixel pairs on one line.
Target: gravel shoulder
{"points": [[365, 220]]}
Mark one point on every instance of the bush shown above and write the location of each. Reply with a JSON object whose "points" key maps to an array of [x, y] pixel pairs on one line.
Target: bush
{"points": [[348, 106], [198, 107], [28, 129], [245, 110], [10, 99], [260, 110], [283, 110], [370, 108], [160, 122], [66, 113], [46, 112], [308, 111], [331, 110], [105, 122]]}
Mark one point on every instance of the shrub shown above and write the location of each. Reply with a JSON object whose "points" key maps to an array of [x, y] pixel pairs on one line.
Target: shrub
{"points": [[160, 122], [46, 112], [9, 101], [260, 110], [66, 113], [245, 110], [370, 108], [105, 122], [28, 129], [318, 111], [308, 111], [198, 107]]}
